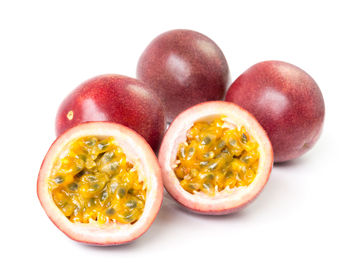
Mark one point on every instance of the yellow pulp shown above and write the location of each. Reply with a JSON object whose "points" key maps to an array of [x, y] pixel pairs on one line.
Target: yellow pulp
{"points": [[215, 157], [93, 181]]}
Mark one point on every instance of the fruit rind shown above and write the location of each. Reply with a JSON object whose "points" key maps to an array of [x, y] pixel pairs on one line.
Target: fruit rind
{"points": [[184, 67], [286, 101], [137, 150], [114, 98], [222, 203]]}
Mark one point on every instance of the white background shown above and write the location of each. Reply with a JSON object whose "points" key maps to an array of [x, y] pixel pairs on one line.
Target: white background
{"points": [[300, 222]]}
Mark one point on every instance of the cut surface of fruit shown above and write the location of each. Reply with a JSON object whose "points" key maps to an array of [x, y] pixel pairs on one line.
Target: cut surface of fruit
{"points": [[215, 158], [93, 181], [100, 183]]}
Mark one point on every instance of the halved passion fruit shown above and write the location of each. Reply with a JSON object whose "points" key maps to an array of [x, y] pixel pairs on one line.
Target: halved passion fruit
{"points": [[100, 183], [215, 158]]}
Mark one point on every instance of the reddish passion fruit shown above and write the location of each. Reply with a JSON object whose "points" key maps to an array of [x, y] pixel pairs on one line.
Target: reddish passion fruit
{"points": [[184, 68], [286, 101], [117, 99], [100, 183], [215, 158]]}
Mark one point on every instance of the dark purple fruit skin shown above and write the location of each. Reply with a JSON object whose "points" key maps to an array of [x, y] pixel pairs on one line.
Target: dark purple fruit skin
{"points": [[118, 99], [286, 101], [184, 68]]}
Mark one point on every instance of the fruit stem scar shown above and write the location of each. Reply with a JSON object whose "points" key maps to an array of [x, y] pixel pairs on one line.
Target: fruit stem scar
{"points": [[70, 115]]}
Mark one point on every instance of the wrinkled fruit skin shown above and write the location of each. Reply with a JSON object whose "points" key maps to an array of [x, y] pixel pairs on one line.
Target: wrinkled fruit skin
{"points": [[286, 101], [184, 68], [118, 99]]}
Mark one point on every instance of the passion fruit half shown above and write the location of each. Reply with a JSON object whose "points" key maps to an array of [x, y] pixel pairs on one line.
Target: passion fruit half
{"points": [[215, 158], [100, 183]]}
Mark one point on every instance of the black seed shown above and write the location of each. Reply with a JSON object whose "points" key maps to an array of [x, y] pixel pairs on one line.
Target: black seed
{"points": [[92, 179], [228, 174], [190, 152], [206, 140], [83, 157], [76, 211], [204, 163], [210, 177], [109, 155], [207, 185], [246, 159], [129, 216], [113, 187], [131, 204], [192, 186], [90, 142], [91, 202], [232, 142], [102, 146], [244, 139], [95, 186], [59, 180], [121, 192], [182, 152], [113, 166], [110, 211], [104, 195], [213, 166], [73, 186], [63, 204], [221, 144], [78, 169]]}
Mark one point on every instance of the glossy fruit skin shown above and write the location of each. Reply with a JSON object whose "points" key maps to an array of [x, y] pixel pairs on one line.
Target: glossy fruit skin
{"points": [[286, 101], [118, 99], [137, 149], [184, 68], [176, 134]]}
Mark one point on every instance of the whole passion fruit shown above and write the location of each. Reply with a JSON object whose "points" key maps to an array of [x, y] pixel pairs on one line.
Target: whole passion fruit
{"points": [[215, 158], [184, 68], [100, 183], [118, 99], [286, 101]]}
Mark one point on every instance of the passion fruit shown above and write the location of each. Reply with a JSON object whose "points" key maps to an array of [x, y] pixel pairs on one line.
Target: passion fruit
{"points": [[118, 99], [100, 183], [184, 68], [215, 158], [286, 101]]}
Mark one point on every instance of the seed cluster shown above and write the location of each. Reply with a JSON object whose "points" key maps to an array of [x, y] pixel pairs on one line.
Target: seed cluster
{"points": [[215, 157], [94, 181]]}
